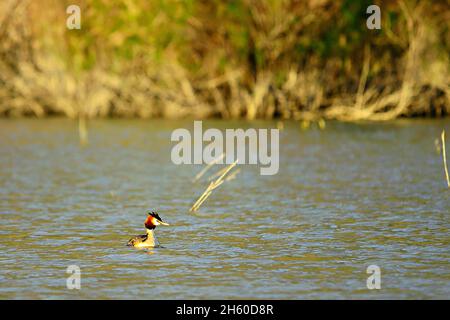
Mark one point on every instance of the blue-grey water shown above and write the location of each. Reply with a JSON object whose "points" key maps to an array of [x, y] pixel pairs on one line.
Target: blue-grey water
{"points": [[346, 197]]}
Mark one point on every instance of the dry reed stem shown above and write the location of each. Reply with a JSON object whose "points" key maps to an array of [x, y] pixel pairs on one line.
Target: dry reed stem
{"points": [[203, 171], [82, 131], [213, 185], [218, 173], [444, 157], [363, 78], [437, 146], [232, 175]]}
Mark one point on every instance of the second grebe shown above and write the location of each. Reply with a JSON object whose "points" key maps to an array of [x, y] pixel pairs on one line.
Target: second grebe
{"points": [[148, 240]]}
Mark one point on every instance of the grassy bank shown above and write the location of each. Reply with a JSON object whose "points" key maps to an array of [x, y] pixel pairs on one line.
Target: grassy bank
{"points": [[231, 59]]}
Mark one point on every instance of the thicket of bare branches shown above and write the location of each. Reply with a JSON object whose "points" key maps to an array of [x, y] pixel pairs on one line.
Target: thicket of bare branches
{"points": [[260, 59]]}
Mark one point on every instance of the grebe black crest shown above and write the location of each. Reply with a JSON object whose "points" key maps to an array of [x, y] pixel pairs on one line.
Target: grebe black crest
{"points": [[148, 240]]}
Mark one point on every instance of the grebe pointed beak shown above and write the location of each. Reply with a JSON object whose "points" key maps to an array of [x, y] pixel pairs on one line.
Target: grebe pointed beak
{"points": [[154, 220]]}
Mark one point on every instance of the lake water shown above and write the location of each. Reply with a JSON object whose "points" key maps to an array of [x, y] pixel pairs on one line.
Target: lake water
{"points": [[346, 197]]}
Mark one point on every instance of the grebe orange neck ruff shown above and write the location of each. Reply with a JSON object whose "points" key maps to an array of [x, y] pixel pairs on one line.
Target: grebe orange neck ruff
{"points": [[148, 240]]}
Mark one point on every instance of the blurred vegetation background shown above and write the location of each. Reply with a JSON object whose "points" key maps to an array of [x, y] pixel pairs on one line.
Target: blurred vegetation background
{"points": [[238, 58]]}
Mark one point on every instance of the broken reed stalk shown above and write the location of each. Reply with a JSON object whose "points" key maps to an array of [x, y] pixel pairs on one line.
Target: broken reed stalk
{"points": [[213, 185], [201, 173], [217, 174], [444, 157], [82, 131], [232, 175], [363, 78]]}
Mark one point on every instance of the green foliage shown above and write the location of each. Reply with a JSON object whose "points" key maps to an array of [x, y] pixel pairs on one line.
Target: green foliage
{"points": [[233, 32]]}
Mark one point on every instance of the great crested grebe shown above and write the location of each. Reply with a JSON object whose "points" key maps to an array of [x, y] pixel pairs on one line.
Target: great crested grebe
{"points": [[148, 240]]}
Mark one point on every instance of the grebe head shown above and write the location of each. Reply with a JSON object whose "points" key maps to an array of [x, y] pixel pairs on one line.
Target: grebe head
{"points": [[153, 220]]}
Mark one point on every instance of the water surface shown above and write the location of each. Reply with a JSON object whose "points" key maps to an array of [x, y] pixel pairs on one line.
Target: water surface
{"points": [[346, 197]]}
